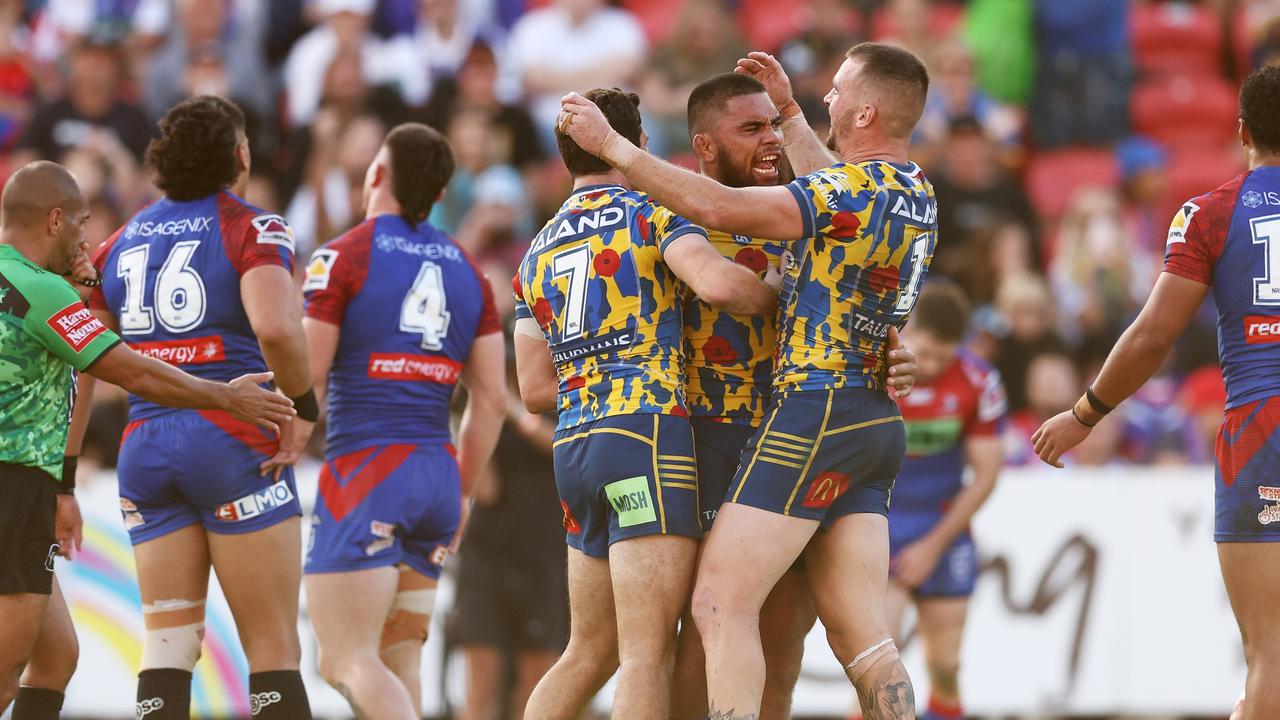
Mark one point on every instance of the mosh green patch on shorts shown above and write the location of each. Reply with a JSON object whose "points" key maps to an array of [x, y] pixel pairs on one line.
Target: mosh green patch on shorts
{"points": [[632, 501]]}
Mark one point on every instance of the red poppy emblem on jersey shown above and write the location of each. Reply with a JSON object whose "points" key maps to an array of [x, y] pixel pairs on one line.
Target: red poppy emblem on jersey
{"points": [[542, 312], [679, 411], [644, 229], [883, 279], [570, 524], [576, 382], [752, 258], [606, 263], [515, 287], [718, 350], [844, 224]]}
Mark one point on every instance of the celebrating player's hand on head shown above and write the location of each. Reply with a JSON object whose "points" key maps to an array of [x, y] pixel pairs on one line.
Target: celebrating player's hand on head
{"points": [[1058, 435], [902, 365], [247, 401], [582, 120], [765, 69]]}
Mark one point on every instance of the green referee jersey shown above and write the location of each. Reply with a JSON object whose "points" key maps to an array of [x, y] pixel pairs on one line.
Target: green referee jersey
{"points": [[44, 327]]}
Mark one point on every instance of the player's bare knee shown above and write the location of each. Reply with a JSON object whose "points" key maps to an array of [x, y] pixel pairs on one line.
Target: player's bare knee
{"points": [[712, 608], [595, 659], [280, 650]]}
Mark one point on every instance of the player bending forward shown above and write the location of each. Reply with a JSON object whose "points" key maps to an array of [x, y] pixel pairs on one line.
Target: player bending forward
{"points": [[598, 339], [204, 281], [953, 418], [1227, 242], [397, 315], [832, 440]]}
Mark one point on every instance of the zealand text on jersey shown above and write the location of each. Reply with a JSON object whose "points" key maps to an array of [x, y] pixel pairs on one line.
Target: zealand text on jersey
{"points": [[577, 225]]}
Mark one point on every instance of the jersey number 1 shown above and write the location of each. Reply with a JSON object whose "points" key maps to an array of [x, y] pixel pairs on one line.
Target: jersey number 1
{"points": [[424, 310], [1266, 232], [179, 300]]}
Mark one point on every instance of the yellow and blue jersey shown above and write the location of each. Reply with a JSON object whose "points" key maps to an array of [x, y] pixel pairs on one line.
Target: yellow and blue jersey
{"points": [[729, 358], [610, 308], [870, 230]]}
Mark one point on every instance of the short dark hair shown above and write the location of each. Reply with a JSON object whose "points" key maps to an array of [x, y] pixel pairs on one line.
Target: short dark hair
{"points": [[902, 73], [195, 155], [942, 310], [622, 110], [709, 97], [421, 166], [1260, 107]]}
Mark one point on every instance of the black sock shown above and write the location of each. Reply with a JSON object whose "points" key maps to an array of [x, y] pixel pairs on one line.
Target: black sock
{"points": [[37, 704], [164, 694], [278, 695]]}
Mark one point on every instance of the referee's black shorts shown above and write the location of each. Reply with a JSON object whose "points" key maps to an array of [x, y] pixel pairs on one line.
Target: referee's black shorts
{"points": [[28, 503]]}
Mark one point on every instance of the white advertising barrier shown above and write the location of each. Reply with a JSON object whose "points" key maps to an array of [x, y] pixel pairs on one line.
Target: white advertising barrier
{"points": [[1100, 593]]}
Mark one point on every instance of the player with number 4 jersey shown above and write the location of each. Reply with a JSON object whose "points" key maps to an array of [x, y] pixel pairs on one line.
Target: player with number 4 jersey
{"points": [[1225, 242], [397, 317], [204, 281]]}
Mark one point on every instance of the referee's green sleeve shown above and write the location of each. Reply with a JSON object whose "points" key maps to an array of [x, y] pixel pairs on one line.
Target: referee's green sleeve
{"points": [[60, 321]]}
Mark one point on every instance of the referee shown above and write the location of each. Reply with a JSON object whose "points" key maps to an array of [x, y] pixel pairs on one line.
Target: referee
{"points": [[45, 332]]}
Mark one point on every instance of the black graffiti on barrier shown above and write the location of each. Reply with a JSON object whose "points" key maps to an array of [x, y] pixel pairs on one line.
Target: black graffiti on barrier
{"points": [[1072, 566]]}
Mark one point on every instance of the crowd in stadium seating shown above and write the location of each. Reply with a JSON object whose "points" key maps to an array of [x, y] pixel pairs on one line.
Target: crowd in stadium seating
{"points": [[1060, 136]]}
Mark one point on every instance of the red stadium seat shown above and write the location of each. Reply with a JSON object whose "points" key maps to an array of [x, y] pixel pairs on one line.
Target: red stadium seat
{"points": [[1194, 172], [769, 23], [657, 16], [1176, 37], [1053, 177], [1184, 110]]}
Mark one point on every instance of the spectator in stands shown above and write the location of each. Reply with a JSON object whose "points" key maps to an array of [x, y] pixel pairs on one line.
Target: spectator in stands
{"points": [[17, 86], [1052, 385], [573, 45], [480, 178], [94, 106], [511, 613], [475, 89], [1026, 305], [444, 38], [215, 47], [954, 93], [344, 29], [1144, 192], [1157, 429], [705, 41], [1099, 273], [974, 195], [1083, 72], [330, 202], [827, 29], [137, 27], [1202, 397]]}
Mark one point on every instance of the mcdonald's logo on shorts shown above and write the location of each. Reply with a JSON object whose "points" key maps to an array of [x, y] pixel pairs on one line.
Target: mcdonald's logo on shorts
{"points": [[824, 489]]}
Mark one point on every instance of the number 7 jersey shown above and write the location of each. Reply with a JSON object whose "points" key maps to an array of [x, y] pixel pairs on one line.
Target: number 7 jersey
{"points": [[409, 304], [595, 281]]}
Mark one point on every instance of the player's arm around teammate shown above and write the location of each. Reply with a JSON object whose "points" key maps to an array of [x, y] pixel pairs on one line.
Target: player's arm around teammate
{"points": [[876, 99]]}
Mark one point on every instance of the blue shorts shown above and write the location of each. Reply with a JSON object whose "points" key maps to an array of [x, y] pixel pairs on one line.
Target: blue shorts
{"points": [[719, 447], [957, 570], [393, 504], [194, 467], [1247, 477], [626, 476], [823, 454]]}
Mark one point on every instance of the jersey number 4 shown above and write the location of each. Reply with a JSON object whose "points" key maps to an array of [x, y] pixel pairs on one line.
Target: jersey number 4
{"points": [[179, 300], [424, 309]]}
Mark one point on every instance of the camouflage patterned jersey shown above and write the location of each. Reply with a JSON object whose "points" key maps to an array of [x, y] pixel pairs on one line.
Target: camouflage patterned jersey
{"points": [[595, 281], [44, 326]]}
